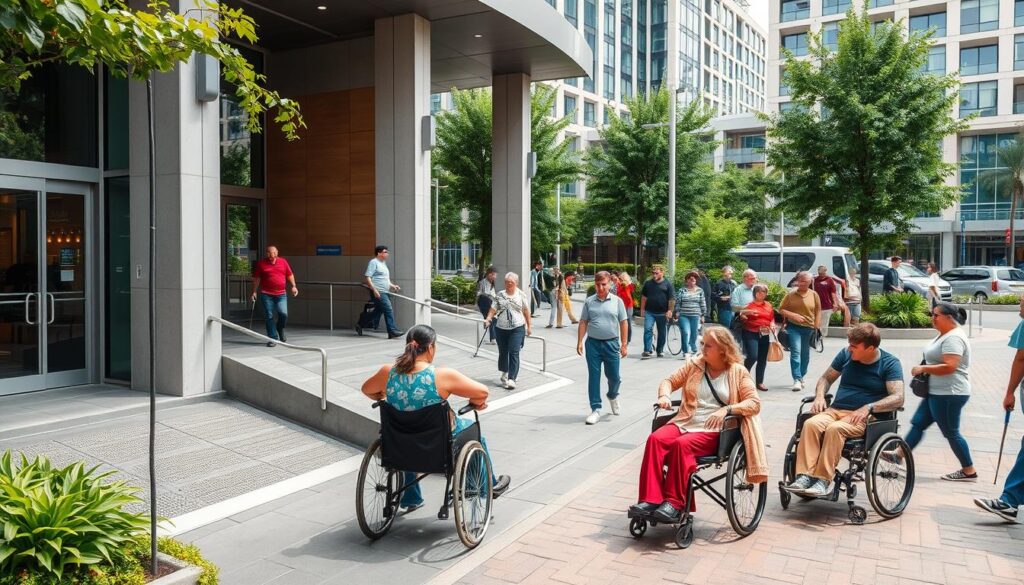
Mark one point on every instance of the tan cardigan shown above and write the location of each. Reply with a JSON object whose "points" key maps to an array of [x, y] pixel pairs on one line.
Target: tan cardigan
{"points": [[743, 399]]}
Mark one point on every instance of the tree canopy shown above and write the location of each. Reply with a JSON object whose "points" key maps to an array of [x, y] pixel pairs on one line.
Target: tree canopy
{"points": [[709, 241], [744, 194], [861, 151], [136, 43]]}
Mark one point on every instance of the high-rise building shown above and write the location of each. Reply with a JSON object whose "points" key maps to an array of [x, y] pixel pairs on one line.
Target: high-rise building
{"points": [[984, 41]]}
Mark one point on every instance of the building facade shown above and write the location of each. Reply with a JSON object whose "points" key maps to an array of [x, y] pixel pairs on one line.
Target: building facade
{"points": [[984, 41]]}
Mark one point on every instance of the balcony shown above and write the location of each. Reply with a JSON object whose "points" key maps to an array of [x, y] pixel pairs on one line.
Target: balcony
{"points": [[742, 156], [988, 214]]}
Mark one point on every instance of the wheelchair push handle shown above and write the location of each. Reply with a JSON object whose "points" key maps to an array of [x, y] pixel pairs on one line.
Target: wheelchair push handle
{"points": [[810, 399], [675, 403], [468, 408]]}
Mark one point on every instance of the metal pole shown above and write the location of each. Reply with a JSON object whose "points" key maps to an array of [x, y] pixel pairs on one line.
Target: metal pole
{"points": [[152, 327], [782, 240], [671, 247], [330, 289], [437, 227], [558, 218], [963, 239]]}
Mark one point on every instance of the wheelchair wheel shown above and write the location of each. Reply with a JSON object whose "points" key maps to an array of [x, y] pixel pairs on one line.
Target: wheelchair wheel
{"points": [[637, 527], [744, 501], [472, 494], [376, 497], [673, 340], [890, 480], [789, 473], [684, 534]]}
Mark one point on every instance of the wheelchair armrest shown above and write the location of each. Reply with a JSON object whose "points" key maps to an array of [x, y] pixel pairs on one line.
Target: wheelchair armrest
{"points": [[377, 403], [730, 422], [809, 399], [673, 403]]}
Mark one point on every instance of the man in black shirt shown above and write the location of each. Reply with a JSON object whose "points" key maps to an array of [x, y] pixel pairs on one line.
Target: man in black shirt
{"points": [[657, 298], [891, 282]]}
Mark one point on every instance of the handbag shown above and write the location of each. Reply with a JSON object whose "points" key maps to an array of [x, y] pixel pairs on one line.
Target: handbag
{"points": [[816, 341], [783, 338], [919, 383], [775, 350]]}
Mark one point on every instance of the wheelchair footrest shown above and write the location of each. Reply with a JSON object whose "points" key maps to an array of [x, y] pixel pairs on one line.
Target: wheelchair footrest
{"points": [[442, 514]]}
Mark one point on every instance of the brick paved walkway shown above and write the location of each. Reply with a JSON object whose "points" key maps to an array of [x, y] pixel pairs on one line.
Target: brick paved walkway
{"points": [[941, 538]]}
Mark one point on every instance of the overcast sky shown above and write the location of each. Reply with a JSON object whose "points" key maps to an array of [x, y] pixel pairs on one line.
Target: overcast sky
{"points": [[759, 11]]}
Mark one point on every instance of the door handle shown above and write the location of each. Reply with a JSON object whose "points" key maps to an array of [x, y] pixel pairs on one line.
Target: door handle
{"points": [[53, 309], [28, 320]]}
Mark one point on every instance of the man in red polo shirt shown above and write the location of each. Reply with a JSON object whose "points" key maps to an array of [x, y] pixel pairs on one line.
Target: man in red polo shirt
{"points": [[269, 276]]}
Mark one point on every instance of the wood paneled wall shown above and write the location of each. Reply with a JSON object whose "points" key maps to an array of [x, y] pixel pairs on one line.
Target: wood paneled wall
{"points": [[320, 189]]}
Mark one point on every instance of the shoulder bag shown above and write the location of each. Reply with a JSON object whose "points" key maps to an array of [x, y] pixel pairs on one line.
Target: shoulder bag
{"points": [[775, 349], [919, 383]]}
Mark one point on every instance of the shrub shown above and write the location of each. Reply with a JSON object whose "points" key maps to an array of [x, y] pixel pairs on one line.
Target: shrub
{"points": [[776, 292], [961, 299], [1004, 299], [57, 519], [836, 319], [900, 310], [443, 289]]}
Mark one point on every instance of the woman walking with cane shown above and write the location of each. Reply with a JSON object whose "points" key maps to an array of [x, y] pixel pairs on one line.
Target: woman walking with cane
{"points": [[511, 314]]}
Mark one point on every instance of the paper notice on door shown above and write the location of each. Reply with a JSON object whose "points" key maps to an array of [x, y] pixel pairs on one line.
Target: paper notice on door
{"points": [[67, 275]]}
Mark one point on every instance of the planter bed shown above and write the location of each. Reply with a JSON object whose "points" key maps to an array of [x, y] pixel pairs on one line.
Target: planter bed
{"points": [[183, 573]]}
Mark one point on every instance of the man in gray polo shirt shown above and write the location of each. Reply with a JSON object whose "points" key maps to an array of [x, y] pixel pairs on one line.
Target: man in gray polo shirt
{"points": [[603, 323]]}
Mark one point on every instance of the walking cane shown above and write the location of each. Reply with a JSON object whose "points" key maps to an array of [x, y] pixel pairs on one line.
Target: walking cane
{"points": [[1006, 423], [253, 309]]}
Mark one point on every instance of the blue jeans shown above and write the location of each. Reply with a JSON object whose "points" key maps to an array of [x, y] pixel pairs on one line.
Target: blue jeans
{"points": [[755, 347], [799, 350], [650, 320], [484, 304], [1013, 489], [510, 341], [382, 306], [725, 316], [602, 352], [688, 326], [414, 495], [270, 302], [945, 412]]}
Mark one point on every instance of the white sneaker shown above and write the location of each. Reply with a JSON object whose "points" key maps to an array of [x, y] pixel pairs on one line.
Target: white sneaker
{"points": [[798, 386], [593, 417], [818, 489], [615, 405], [511, 384], [504, 379]]}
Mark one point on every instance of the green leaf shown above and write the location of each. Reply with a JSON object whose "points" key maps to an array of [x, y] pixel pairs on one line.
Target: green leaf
{"points": [[72, 13]]}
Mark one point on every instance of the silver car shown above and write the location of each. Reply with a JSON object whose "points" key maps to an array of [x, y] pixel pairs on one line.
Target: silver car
{"points": [[912, 277], [981, 282]]}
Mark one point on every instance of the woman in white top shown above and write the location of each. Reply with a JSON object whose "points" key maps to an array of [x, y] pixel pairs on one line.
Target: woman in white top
{"points": [[933, 284], [946, 361], [511, 315]]}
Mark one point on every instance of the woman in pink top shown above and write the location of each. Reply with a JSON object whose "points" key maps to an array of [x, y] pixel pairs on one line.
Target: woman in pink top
{"points": [[624, 289]]}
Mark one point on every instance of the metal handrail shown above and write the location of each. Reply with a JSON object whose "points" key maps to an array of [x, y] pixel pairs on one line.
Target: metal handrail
{"points": [[251, 333], [330, 294]]}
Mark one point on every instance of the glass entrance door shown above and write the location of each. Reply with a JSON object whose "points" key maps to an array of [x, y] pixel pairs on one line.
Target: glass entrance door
{"points": [[44, 284], [241, 251]]}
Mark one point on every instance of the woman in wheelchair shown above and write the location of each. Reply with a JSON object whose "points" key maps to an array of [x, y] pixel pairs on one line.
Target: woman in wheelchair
{"points": [[715, 385], [412, 383]]}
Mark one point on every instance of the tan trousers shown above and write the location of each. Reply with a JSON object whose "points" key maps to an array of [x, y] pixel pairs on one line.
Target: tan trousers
{"points": [[564, 301], [821, 443]]}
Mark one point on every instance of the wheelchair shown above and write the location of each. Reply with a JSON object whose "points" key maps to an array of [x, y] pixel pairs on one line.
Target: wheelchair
{"points": [[421, 442], [888, 482], [743, 502]]}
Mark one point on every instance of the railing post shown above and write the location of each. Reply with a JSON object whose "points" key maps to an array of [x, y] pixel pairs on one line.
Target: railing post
{"points": [[330, 296]]}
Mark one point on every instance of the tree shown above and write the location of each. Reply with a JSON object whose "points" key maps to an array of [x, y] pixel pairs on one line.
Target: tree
{"points": [[743, 194], [871, 159], [627, 187], [709, 241], [463, 160], [137, 43], [1008, 181]]}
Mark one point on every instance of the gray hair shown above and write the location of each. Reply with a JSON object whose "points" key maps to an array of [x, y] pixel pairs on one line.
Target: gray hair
{"points": [[512, 276], [727, 267], [750, 272], [804, 274]]}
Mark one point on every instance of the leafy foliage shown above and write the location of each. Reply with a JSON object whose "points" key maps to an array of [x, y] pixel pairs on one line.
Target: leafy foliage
{"points": [[136, 43], [627, 188], [443, 289], [901, 310], [1003, 299], [862, 151], [1009, 182], [743, 194], [55, 519], [776, 292], [710, 240]]}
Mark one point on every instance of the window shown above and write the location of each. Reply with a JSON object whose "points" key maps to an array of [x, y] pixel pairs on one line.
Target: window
{"points": [[787, 106], [761, 262], [571, 13], [569, 108], [936, 64], [590, 114], [795, 9], [796, 44], [1018, 99], [241, 153], [1018, 13], [830, 35], [604, 115], [796, 261], [977, 155], [877, 3], [835, 6], [979, 60], [1018, 51], [978, 98], [783, 88], [924, 22], [978, 15]]}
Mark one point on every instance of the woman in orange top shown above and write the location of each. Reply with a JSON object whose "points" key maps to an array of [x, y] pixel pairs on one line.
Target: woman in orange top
{"points": [[758, 323], [715, 378]]}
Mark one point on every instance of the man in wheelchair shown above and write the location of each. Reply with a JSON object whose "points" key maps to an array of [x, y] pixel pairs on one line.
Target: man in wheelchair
{"points": [[871, 382]]}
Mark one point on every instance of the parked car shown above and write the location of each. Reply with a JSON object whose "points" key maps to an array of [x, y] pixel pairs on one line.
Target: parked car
{"points": [[982, 281], [764, 258], [913, 279]]}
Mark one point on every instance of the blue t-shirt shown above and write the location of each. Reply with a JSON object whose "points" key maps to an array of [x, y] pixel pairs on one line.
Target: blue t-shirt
{"points": [[863, 384]]}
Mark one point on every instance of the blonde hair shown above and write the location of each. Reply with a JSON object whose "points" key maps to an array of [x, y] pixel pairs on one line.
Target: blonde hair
{"points": [[624, 277], [724, 339]]}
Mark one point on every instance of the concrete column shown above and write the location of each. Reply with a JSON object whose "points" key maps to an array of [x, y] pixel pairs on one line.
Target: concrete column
{"points": [[402, 101], [510, 187], [188, 264]]}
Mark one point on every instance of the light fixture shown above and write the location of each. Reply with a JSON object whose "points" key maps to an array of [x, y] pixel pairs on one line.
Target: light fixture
{"points": [[321, 8], [478, 36]]}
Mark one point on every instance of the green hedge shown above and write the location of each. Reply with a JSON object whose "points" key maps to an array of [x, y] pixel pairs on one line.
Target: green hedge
{"points": [[1004, 299], [443, 289]]}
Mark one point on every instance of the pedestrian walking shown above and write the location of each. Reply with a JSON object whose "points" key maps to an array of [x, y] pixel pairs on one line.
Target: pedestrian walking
{"points": [[742, 296], [625, 291], [891, 281], [722, 295], [933, 284], [947, 360], [657, 298], [485, 292], [1006, 505], [603, 324], [758, 324], [825, 286], [269, 277], [691, 306], [852, 299], [562, 300], [705, 285], [547, 280], [536, 295], [802, 309], [511, 315], [378, 278]]}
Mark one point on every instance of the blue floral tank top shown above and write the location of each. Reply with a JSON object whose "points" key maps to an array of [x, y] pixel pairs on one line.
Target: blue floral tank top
{"points": [[418, 390]]}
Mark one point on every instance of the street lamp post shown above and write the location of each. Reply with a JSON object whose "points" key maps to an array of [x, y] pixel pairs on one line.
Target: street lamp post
{"points": [[558, 219]]}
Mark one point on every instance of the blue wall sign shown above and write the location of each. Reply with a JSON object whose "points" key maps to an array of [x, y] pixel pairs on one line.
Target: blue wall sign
{"points": [[328, 250]]}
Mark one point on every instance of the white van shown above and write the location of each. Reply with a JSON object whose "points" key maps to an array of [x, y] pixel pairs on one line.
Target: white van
{"points": [[764, 258]]}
